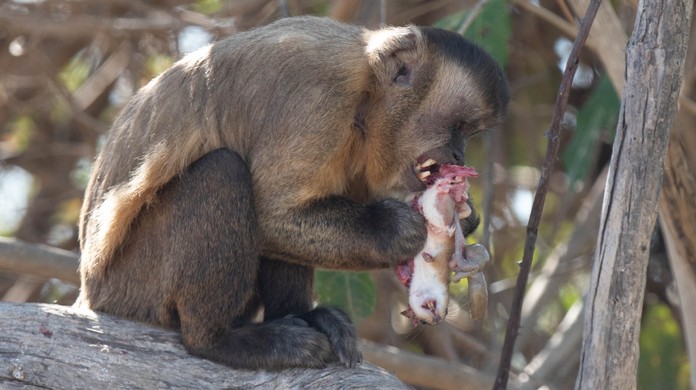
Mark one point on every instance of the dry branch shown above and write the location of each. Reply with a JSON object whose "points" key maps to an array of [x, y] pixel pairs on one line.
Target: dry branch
{"points": [[655, 59], [38, 260], [57, 347], [428, 372]]}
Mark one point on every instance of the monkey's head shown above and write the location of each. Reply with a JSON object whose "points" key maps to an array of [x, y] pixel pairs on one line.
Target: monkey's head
{"points": [[434, 90]]}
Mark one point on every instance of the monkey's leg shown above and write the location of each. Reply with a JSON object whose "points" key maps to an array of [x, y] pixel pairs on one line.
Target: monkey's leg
{"points": [[287, 290], [215, 249]]}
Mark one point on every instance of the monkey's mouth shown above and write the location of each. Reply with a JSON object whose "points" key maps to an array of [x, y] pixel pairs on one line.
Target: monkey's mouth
{"points": [[426, 170], [422, 173]]}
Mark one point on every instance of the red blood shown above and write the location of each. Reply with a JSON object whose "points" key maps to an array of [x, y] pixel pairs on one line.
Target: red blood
{"points": [[404, 272]]}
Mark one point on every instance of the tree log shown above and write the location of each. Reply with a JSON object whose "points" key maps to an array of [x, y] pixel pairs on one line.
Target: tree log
{"points": [[57, 347]]}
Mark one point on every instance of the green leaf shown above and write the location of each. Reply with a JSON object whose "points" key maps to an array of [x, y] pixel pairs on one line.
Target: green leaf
{"points": [[74, 74], [663, 362], [353, 292], [491, 28], [208, 7], [596, 118]]}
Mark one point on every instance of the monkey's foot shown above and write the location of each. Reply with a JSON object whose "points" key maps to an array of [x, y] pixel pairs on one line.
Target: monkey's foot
{"points": [[340, 331]]}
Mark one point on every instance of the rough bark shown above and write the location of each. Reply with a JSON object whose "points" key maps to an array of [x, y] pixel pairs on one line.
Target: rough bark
{"points": [[57, 347], [655, 59]]}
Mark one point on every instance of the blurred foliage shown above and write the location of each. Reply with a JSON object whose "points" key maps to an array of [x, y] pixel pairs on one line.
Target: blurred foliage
{"points": [[157, 64], [20, 131], [354, 292], [663, 363], [74, 74], [207, 7], [596, 123], [491, 28]]}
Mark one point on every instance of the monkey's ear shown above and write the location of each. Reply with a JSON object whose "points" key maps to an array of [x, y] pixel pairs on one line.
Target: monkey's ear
{"points": [[394, 53]]}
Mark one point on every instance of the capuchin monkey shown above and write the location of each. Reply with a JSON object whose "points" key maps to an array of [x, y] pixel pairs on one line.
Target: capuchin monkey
{"points": [[230, 177]]}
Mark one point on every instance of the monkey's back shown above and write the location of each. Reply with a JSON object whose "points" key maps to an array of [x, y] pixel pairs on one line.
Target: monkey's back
{"points": [[281, 96]]}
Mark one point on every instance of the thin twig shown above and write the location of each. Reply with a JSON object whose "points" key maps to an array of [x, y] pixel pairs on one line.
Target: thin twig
{"points": [[542, 189]]}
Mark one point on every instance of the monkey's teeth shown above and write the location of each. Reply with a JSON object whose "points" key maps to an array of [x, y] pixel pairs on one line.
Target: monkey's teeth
{"points": [[423, 175], [428, 163], [424, 165]]}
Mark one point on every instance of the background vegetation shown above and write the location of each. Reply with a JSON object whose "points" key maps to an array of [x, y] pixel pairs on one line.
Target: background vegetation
{"points": [[67, 67]]}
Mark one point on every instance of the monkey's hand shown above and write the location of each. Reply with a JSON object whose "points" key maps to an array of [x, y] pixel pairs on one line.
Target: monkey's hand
{"points": [[400, 232], [340, 331]]}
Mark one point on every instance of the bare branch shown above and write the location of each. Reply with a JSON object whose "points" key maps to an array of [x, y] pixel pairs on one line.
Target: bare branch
{"points": [[425, 371], [38, 260]]}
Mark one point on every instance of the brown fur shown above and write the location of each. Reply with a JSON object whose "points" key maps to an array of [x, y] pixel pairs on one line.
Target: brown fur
{"points": [[328, 120]]}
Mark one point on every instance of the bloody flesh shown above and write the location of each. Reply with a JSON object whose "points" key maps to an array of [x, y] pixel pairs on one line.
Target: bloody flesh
{"points": [[442, 204]]}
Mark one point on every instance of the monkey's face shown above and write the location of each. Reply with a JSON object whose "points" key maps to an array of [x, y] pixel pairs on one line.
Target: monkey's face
{"points": [[454, 110], [438, 91]]}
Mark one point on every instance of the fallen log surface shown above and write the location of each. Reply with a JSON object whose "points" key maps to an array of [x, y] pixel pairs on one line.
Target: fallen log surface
{"points": [[58, 347]]}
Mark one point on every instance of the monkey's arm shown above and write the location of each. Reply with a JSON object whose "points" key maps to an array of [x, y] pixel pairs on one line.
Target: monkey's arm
{"points": [[337, 232]]}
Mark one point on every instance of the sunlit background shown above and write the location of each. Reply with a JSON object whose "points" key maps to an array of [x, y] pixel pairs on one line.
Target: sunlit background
{"points": [[68, 67]]}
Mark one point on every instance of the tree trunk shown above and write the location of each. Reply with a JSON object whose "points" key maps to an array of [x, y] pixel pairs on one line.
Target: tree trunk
{"points": [[57, 347], [655, 60]]}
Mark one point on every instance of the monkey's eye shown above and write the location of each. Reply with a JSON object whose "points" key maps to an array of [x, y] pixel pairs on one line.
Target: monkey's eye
{"points": [[403, 75], [462, 125], [469, 128]]}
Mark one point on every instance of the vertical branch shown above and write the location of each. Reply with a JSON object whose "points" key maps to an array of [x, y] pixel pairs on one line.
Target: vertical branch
{"points": [[540, 196], [654, 65]]}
